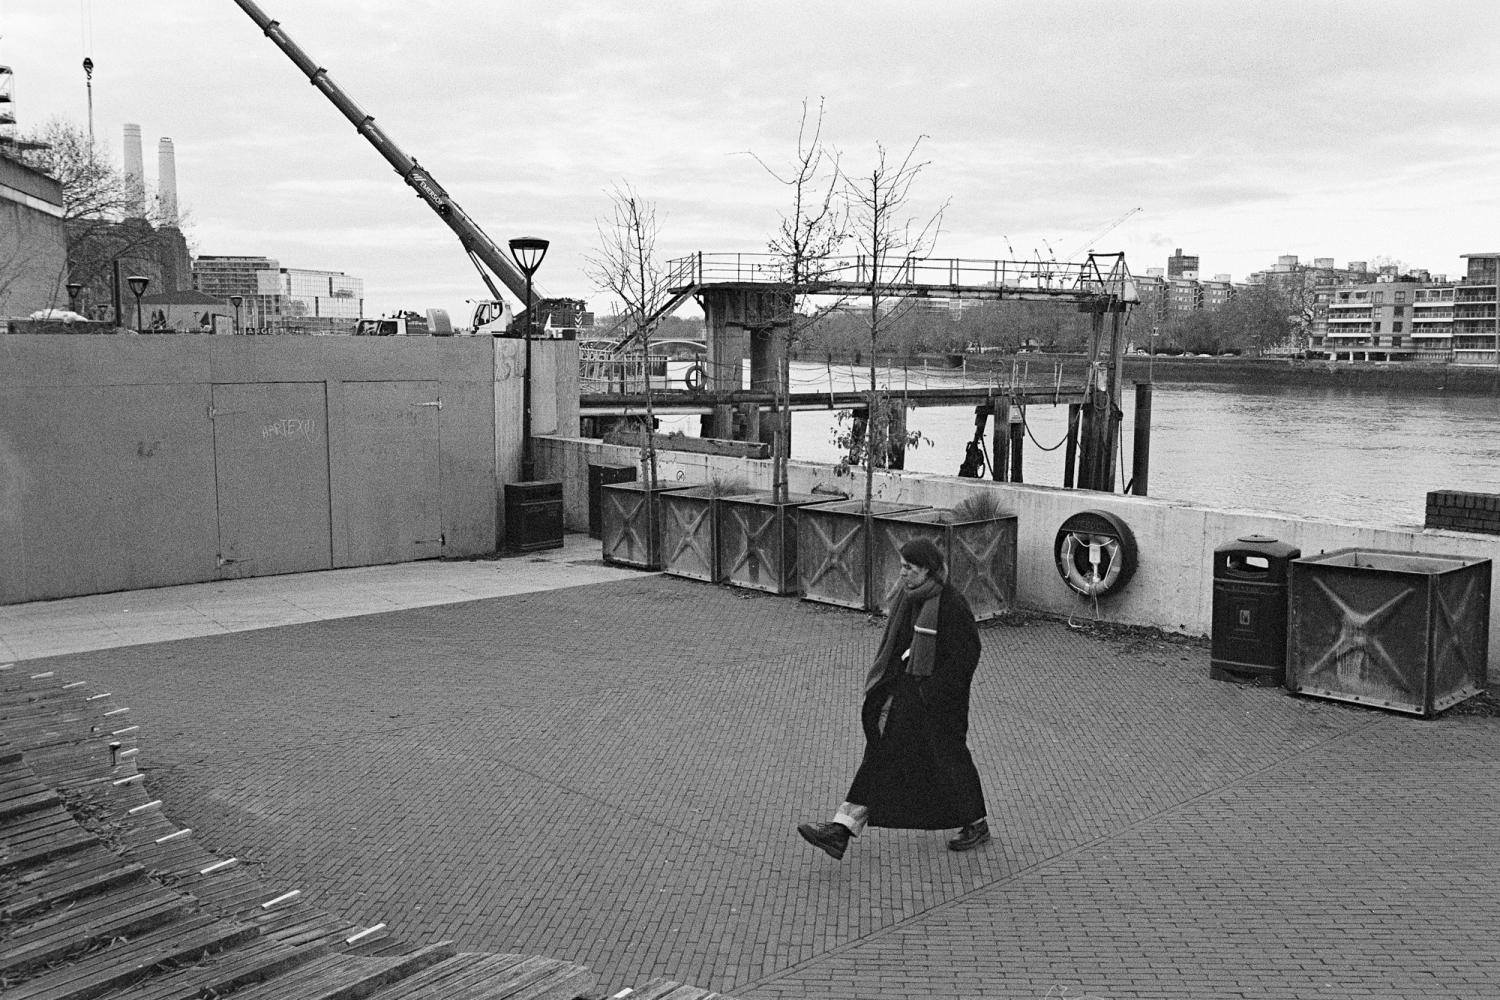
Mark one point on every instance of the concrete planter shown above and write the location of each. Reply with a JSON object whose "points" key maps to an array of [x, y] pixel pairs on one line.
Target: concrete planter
{"points": [[832, 563], [758, 540], [981, 556], [1406, 631], [690, 532], [631, 524]]}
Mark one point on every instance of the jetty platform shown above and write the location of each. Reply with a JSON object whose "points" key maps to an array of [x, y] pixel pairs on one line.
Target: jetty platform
{"points": [[546, 756]]}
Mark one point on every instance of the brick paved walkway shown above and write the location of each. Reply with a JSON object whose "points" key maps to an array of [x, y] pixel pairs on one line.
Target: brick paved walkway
{"points": [[612, 774]]}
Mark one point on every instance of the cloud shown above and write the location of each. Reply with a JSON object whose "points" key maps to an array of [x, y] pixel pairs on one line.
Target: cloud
{"points": [[1325, 128]]}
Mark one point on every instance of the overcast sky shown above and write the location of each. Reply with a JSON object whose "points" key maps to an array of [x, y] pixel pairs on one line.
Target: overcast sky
{"points": [[1352, 130]]}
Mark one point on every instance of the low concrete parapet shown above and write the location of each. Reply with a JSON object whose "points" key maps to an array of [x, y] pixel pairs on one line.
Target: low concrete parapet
{"points": [[1172, 587]]}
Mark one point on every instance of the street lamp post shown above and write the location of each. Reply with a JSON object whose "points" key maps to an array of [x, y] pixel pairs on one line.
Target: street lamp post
{"points": [[235, 301], [528, 252], [73, 287], [138, 285]]}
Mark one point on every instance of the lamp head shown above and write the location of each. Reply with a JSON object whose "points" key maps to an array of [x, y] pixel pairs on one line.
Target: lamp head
{"points": [[74, 287], [528, 252], [235, 300], [138, 283]]}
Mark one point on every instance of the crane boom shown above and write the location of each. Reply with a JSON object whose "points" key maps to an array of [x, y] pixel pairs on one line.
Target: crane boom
{"points": [[1089, 246], [476, 242]]}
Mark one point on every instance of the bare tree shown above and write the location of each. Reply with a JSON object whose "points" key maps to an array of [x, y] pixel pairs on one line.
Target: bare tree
{"points": [[103, 220], [809, 235], [889, 242], [627, 266]]}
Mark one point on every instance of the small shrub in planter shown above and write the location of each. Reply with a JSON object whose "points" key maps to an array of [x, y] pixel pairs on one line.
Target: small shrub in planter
{"points": [[758, 539], [690, 529]]}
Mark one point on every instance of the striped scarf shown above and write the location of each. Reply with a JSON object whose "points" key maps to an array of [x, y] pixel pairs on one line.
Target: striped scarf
{"points": [[916, 610]]}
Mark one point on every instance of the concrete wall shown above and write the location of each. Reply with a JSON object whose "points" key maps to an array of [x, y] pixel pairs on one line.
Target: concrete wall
{"points": [[554, 402], [1173, 585], [129, 462], [33, 249]]}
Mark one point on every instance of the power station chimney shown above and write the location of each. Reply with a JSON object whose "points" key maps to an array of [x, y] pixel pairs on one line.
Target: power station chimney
{"points": [[166, 181], [135, 173]]}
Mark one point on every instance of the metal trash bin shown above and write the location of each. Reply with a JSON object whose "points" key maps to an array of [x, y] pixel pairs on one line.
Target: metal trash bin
{"points": [[534, 515], [601, 476], [1252, 582]]}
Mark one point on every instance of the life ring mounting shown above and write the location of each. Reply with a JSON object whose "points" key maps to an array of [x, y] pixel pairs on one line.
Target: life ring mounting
{"points": [[1095, 553]]}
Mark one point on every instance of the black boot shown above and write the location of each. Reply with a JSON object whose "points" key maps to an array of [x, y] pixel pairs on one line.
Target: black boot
{"points": [[831, 837], [971, 836]]}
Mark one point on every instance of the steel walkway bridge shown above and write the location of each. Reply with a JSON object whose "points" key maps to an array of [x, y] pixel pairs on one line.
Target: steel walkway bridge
{"points": [[1096, 279]]}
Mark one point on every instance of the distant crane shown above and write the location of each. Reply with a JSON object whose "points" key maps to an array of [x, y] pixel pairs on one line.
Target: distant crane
{"points": [[1043, 273], [1089, 245]]}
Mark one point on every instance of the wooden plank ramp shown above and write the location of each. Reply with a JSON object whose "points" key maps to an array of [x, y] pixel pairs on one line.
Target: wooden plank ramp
{"points": [[103, 896]]}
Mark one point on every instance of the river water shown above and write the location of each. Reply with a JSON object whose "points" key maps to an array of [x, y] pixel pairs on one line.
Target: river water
{"points": [[1368, 457]]}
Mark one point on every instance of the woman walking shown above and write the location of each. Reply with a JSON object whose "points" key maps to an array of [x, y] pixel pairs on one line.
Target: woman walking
{"points": [[917, 772]]}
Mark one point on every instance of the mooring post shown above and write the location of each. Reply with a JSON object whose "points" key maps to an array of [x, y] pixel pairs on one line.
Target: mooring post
{"points": [[1070, 450], [751, 413], [1017, 439], [1000, 441], [1101, 408], [723, 421], [859, 426], [1140, 457], [895, 435]]}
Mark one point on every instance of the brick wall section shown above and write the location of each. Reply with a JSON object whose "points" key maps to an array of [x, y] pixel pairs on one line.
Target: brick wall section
{"points": [[1455, 510]]}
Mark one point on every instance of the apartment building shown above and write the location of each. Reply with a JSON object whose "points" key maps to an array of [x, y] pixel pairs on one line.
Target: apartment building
{"points": [[1406, 318], [1370, 321], [1215, 293], [276, 299], [1172, 293], [1432, 322], [1476, 327]]}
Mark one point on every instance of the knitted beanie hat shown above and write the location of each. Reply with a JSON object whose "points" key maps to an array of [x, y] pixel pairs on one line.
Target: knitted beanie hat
{"points": [[922, 552]]}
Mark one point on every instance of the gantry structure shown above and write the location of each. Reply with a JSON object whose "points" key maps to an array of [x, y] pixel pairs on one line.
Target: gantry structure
{"points": [[748, 303]]}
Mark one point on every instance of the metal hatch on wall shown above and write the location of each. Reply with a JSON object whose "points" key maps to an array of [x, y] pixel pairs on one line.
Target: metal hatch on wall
{"points": [[388, 473], [271, 476]]}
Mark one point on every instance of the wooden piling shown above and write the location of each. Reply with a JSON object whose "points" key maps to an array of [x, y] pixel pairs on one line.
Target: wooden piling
{"points": [[750, 412], [859, 428], [1140, 457], [895, 434], [1017, 439], [1070, 451], [1000, 441]]}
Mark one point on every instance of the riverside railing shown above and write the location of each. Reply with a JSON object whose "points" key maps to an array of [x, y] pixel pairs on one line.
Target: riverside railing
{"points": [[1097, 275]]}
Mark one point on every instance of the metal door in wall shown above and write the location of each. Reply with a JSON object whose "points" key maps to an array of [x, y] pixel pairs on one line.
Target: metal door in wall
{"points": [[388, 475], [271, 472]]}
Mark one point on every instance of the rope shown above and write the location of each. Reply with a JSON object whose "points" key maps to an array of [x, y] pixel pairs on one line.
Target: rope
{"points": [[1027, 424], [1120, 451]]}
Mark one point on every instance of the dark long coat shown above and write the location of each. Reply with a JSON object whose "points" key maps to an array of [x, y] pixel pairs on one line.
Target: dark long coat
{"points": [[918, 774]]}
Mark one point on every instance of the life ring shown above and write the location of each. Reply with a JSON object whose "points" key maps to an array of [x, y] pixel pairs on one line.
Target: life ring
{"points": [[694, 377], [1095, 553]]}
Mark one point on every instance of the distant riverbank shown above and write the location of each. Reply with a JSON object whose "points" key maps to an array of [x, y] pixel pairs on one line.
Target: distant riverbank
{"points": [[1461, 380], [1465, 380]]}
